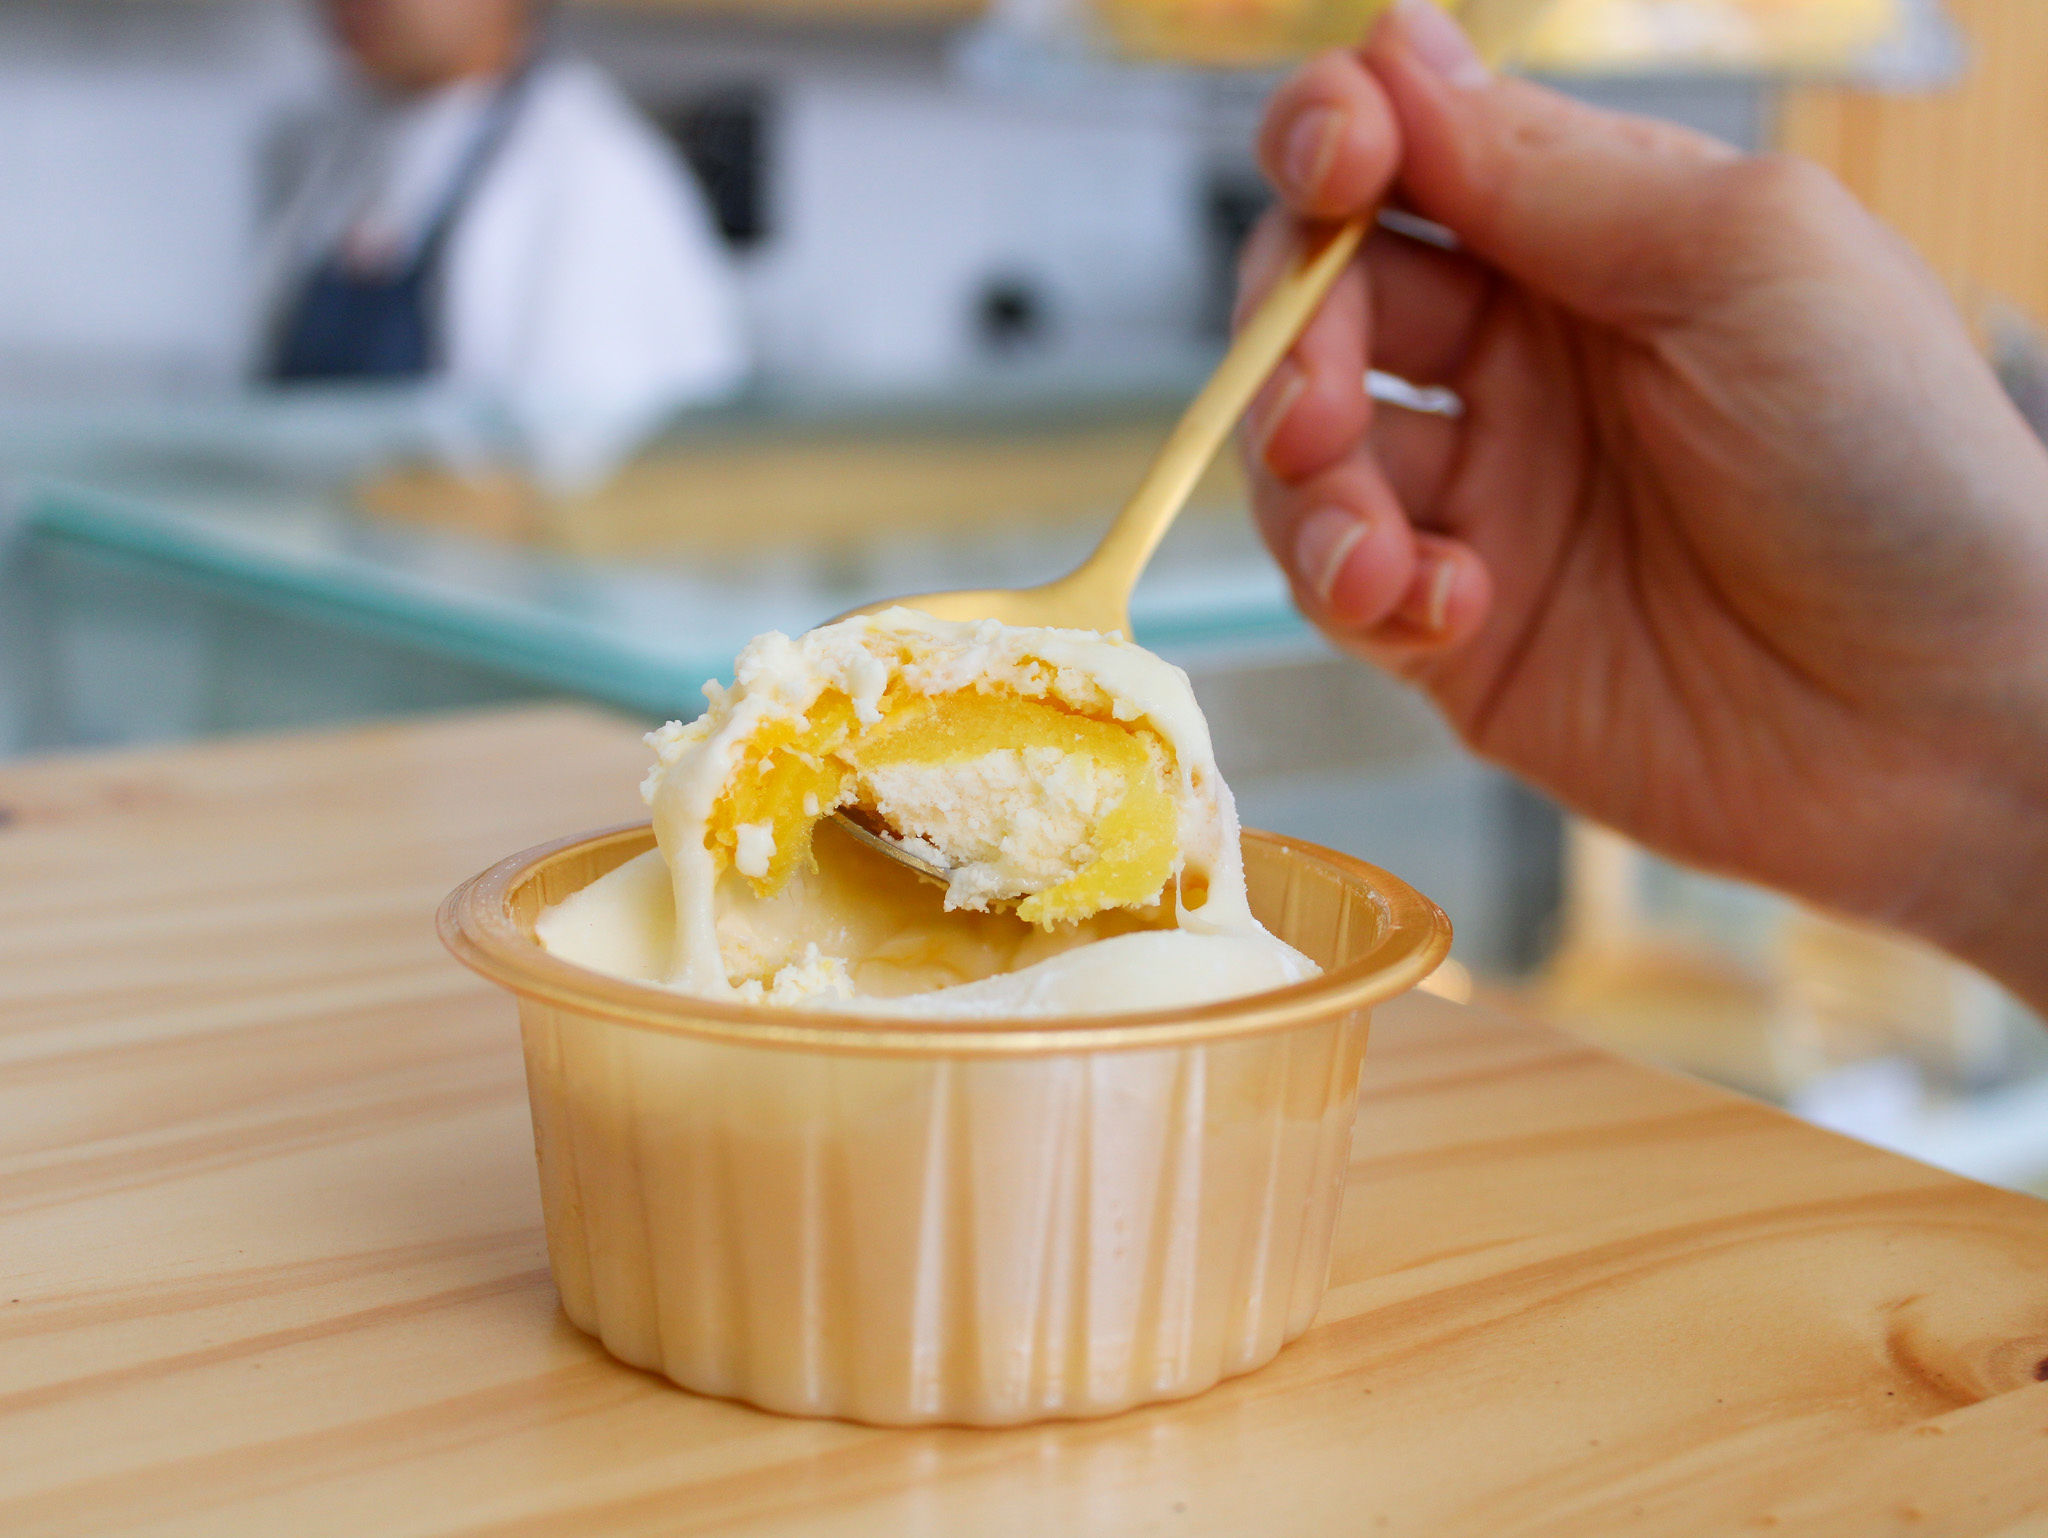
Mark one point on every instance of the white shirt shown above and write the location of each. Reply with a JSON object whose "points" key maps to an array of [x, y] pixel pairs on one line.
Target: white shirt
{"points": [[585, 294]]}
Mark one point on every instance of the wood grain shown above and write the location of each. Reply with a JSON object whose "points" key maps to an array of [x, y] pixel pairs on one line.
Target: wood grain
{"points": [[273, 1263], [1961, 172]]}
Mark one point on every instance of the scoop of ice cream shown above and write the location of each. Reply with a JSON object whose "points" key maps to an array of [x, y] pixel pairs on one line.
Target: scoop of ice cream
{"points": [[1066, 778], [1060, 769], [1063, 770]]}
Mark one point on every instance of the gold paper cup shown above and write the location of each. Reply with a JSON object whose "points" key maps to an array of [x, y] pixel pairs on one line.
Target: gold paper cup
{"points": [[980, 1222]]}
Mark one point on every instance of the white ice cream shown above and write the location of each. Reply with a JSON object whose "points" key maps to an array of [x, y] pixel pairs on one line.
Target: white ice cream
{"points": [[1014, 821]]}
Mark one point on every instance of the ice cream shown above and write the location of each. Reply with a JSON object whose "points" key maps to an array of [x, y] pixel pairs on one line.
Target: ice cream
{"points": [[943, 1219], [1066, 779]]}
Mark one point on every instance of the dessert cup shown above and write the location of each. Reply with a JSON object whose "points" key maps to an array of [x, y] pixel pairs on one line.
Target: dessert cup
{"points": [[975, 1222]]}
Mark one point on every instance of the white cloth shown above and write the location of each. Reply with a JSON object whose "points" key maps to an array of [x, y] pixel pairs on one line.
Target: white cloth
{"points": [[585, 292]]}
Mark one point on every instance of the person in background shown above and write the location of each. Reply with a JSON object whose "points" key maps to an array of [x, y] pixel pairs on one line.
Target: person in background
{"points": [[1738, 546], [479, 211]]}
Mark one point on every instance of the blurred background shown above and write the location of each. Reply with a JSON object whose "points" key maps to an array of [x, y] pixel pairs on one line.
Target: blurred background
{"points": [[365, 357]]}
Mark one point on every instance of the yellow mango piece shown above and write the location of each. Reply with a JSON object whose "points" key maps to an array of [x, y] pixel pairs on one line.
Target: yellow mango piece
{"points": [[949, 728], [1136, 841], [1137, 846], [790, 767]]}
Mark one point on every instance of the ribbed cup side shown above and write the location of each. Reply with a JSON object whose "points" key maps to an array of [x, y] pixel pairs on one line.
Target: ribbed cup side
{"points": [[902, 1240], [985, 1239]]}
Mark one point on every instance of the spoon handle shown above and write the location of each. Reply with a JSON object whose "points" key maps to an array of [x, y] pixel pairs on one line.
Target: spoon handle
{"points": [[1107, 576]]}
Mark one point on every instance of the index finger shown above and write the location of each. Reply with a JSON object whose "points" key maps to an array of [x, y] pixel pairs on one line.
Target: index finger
{"points": [[1330, 141]]}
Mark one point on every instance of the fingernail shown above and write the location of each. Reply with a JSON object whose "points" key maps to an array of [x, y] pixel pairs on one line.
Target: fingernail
{"points": [[1428, 605], [1311, 146], [1322, 545], [1438, 43], [1271, 408]]}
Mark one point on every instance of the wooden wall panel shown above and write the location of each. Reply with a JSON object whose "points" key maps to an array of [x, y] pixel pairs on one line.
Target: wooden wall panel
{"points": [[1963, 172]]}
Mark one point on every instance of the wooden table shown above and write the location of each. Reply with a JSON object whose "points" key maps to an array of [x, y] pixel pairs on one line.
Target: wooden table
{"points": [[272, 1254]]}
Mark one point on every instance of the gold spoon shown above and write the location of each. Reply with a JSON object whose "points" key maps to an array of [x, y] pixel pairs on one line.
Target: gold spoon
{"points": [[1097, 594]]}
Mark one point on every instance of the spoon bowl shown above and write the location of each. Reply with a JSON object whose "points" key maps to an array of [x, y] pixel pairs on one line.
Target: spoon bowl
{"points": [[1097, 594], [865, 826]]}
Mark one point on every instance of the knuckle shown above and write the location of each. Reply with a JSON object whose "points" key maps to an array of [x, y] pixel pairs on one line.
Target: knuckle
{"points": [[1767, 196], [1763, 219]]}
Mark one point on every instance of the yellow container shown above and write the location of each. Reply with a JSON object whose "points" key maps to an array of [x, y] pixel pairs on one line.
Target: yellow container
{"points": [[1234, 33], [978, 1222]]}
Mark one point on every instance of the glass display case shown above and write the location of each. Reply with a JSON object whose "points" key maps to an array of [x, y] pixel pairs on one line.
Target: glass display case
{"points": [[282, 564]]}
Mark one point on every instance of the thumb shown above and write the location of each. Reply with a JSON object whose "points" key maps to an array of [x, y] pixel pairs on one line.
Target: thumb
{"points": [[1611, 216]]}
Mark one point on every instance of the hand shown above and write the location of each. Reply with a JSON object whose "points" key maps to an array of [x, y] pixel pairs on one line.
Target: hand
{"points": [[1738, 546]]}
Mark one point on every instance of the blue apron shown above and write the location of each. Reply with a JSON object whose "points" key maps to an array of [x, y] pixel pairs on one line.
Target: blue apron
{"points": [[350, 324]]}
